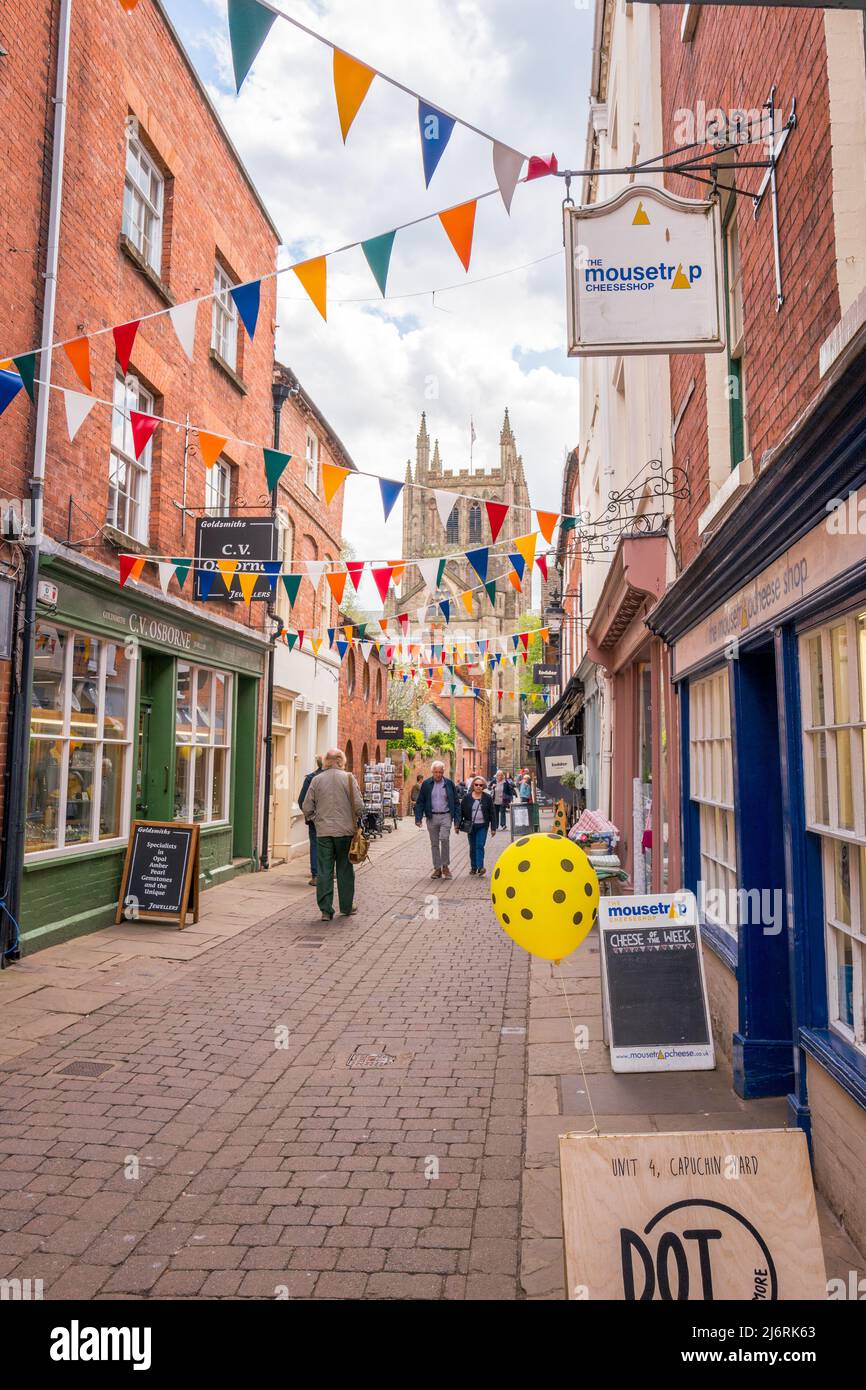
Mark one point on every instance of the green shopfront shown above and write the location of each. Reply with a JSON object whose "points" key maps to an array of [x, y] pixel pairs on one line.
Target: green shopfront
{"points": [[140, 710]]}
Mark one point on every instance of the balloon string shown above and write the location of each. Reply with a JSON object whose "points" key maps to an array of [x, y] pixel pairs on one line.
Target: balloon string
{"points": [[595, 1129]]}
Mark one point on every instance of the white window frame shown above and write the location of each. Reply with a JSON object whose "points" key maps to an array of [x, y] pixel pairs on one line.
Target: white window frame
{"points": [[839, 729], [129, 394], [65, 736], [143, 200], [198, 748], [286, 547], [311, 466], [218, 489], [224, 318], [711, 787]]}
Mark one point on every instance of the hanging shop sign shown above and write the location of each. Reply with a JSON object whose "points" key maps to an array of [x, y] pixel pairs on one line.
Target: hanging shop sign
{"points": [[389, 728], [653, 987], [700, 1217], [555, 756], [249, 543], [545, 673], [160, 873], [644, 275]]}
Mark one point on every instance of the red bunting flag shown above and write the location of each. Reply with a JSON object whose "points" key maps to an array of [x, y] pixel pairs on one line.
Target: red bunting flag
{"points": [[541, 561], [142, 427], [403, 620], [496, 514], [539, 167], [354, 569], [130, 567], [383, 581], [300, 638], [524, 637], [124, 337]]}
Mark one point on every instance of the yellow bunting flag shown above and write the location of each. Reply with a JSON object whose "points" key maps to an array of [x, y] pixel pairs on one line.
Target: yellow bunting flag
{"points": [[348, 630], [525, 545], [546, 523], [313, 275], [333, 478], [211, 446], [467, 601], [227, 569], [336, 581], [351, 84], [316, 643], [247, 582], [78, 352], [459, 223]]}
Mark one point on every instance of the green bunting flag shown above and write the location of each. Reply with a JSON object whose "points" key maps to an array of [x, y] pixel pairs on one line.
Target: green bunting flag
{"points": [[181, 570], [275, 466], [292, 583], [377, 250], [27, 371], [291, 639], [491, 591], [249, 26]]}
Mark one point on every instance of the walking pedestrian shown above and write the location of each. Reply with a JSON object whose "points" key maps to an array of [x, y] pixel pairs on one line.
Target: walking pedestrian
{"points": [[311, 829], [335, 806], [502, 791], [413, 795], [524, 790], [438, 804], [478, 815]]}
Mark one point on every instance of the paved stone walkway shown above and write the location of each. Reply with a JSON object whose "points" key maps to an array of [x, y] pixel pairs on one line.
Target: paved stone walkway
{"points": [[291, 1109]]}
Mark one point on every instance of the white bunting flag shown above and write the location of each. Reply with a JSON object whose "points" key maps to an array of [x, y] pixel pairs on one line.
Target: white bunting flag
{"points": [[183, 322], [166, 570], [445, 505], [430, 568], [507, 164], [315, 570], [78, 407], [422, 616], [366, 648]]}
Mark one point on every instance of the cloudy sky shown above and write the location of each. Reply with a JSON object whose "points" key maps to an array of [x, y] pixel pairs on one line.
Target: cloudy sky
{"points": [[517, 70]]}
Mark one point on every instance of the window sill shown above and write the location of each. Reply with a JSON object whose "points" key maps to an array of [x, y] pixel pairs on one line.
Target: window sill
{"points": [[132, 253], [722, 943], [121, 541], [842, 1060], [731, 492], [228, 371], [44, 858]]}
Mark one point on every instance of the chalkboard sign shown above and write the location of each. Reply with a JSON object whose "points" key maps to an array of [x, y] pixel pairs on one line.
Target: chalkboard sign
{"points": [[160, 873], [655, 994]]}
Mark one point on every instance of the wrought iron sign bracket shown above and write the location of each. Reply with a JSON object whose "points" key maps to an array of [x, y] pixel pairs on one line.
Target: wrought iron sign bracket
{"points": [[775, 147]]}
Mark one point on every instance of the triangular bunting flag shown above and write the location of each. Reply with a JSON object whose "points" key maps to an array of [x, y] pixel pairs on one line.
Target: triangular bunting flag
{"points": [[247, 298], [351, 84], [467, 601], [315, 570], [515, 582], [248, 583], [436, 129], [124, 337], [142, 427], [26, 365], [313, 275], [272, 572], [166, 570], [130, 567], [316, 644], [377, 250], [183, 322], [519, 565], [526, 546], [291, 584], [354, 569], [227, 570], [249, 26], [275, 465], [478, 560], [342, 648], [383, 580], [181, 570], [337, 585], [547, 524], [430, 573], [291, 639], [539, 167], [78, 407], [390, 492], [496, 514], [10, 385], [300, 638], [366, 648], [333, 478], [541, 561], [490, 586], [78, 352], [445, 605], [459, 223], [507, 164], [211, 446], [444, 504]]}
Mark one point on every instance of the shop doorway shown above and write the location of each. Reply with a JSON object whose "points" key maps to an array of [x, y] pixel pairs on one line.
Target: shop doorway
{"points": [[281, 782], [155, 737]]}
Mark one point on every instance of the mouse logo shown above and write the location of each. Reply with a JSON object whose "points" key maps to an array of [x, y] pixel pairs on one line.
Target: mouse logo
{"points": [[678, 1252]]}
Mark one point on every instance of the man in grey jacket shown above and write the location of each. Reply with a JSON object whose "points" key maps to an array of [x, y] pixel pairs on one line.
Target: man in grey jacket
{"points": [[334, 805]]}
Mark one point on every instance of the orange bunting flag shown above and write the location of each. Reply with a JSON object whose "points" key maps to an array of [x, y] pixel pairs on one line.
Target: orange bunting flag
{"points": [[547, 523], [211, 446], [78, 352], [337, 584], [459, 223], [313, 275], [130, 567], [351, 84], [544, 634], [397, 568], [515, 581], [526, 547], [247, 582], [333, 478], [467, 601], [227, 569]]}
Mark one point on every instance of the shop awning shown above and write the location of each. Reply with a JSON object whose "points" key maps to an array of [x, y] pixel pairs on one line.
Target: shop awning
{"points": [[569, 702]]}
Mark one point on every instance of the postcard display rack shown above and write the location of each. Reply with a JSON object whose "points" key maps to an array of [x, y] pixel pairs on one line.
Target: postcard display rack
{"points": [[379, 791]]}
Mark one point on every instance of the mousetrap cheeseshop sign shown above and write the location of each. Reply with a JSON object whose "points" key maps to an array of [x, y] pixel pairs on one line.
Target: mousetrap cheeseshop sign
{"points": [[160, 873], [698, 1217], [644, 274]]}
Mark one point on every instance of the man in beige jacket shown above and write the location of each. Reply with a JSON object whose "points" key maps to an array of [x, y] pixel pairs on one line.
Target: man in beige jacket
{"points": [[334, 805]]}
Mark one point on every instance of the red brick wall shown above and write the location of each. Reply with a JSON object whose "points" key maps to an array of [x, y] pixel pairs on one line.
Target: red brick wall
{"points": [[734, 57], [360, 708]]}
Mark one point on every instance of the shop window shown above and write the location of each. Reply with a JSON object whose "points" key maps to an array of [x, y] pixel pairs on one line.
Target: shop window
{"points": [[224, 318], [311, 463], [833, 679], [218, 489], [128, 476], [711, 774], [202, 741], [78, 775], [143, 200], [734, 305]]}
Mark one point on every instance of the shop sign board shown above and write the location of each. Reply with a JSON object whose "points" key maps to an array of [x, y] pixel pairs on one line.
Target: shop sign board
{"points": [[555, 756], [249, 540], [653, 986], [707, 1216], [389, 728], [545, 673], [160, 873], [644, 275]]}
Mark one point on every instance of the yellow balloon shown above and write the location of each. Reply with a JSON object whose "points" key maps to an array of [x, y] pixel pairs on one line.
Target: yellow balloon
{"points": [[545, 893]]}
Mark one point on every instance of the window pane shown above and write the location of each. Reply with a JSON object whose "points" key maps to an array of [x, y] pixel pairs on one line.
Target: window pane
{"points": [[822, 796], [839, 658], [218, 810], [84, 701], [118, 671], [816, 680], [203, 732], [79, 792], [111, 805], [845, 977], [199, 796], [184, 703], [842, 882], [220, 707], [181, 782], [47, 713], [861, 650], [843, 776], [43, 794]]}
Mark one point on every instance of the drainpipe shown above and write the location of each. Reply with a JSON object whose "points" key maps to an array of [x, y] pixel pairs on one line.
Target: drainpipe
{"points": [[19, 719], [281, 392]]}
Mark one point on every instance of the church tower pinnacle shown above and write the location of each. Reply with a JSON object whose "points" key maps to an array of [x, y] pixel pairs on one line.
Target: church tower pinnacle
{"points": [[422, 448]]}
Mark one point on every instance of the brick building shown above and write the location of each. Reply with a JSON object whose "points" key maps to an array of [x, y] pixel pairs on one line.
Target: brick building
{"points": [[363, 701], [143, 702]]}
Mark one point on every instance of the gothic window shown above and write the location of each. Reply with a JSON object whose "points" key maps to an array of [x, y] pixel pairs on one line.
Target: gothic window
{"points": [[452, 530], [475, 522]]}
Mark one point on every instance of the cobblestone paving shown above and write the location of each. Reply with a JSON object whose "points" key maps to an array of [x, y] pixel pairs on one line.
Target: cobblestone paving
{"points": [[276, 1113]]}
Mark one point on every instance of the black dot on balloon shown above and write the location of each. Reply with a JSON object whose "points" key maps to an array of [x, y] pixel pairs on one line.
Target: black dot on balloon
{"points": [[554, 837], [559, 896], [577, 918], [525, 912], [497, 873], [524, 841], [510, 892], [506, 919], [567, 865], [587, 888], [493, 898], [523, 865]]}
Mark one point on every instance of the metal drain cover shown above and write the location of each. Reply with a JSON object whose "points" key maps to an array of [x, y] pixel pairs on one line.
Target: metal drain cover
{"points": [[370, 1059], [85, 1068]]}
